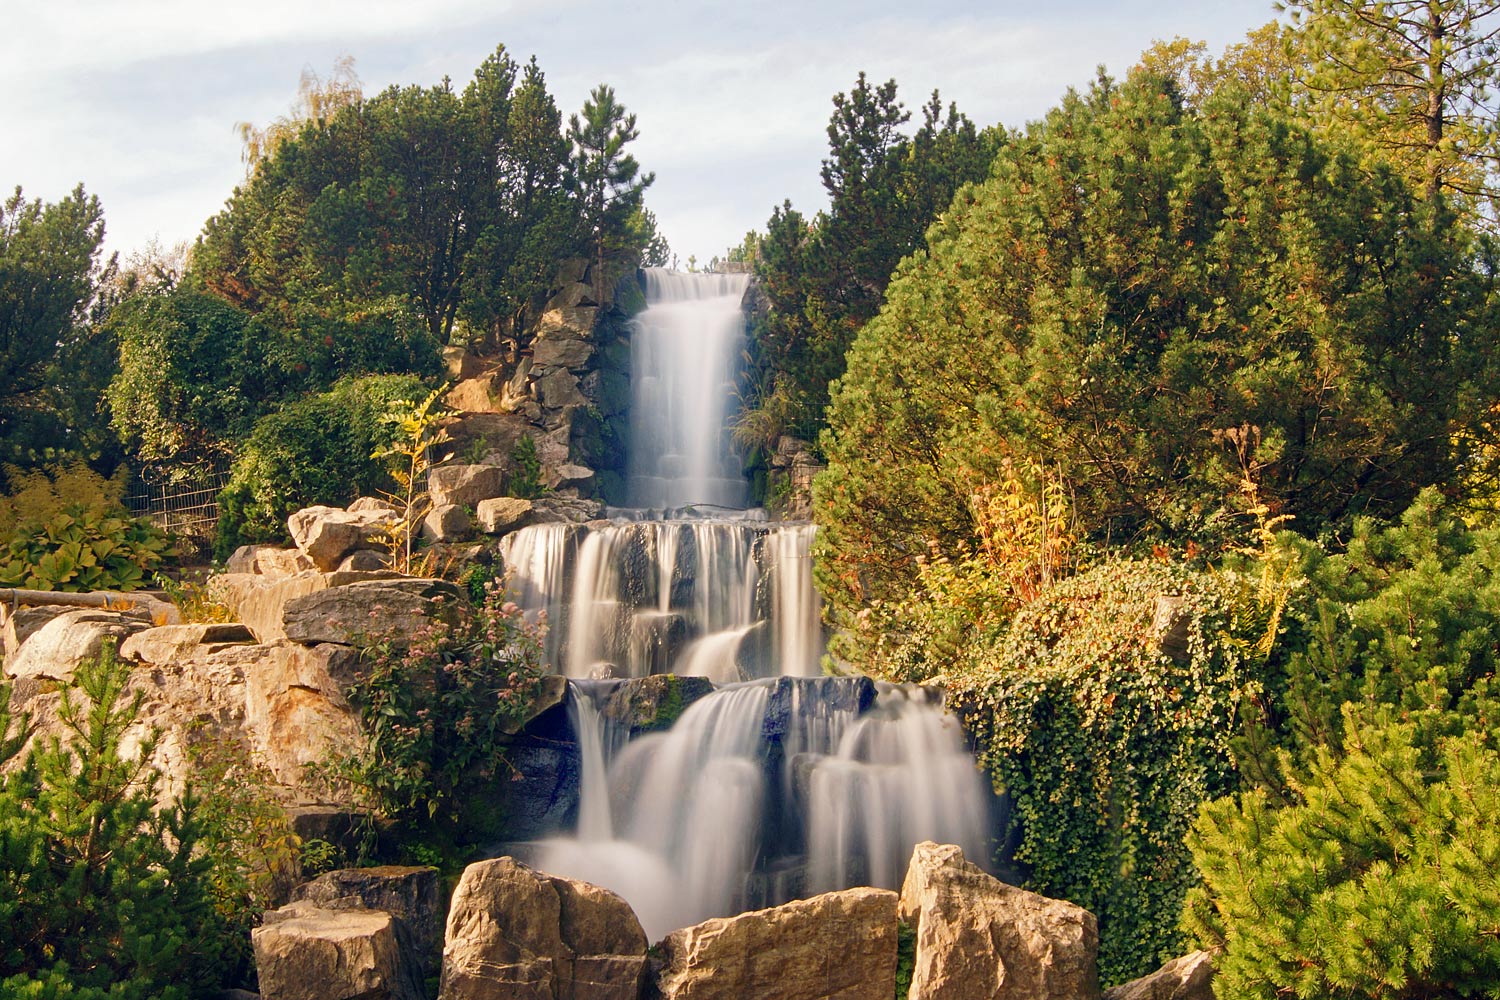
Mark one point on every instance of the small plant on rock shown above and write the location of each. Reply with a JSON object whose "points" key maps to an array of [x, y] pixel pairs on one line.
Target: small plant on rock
{"points": [[418, 431]]}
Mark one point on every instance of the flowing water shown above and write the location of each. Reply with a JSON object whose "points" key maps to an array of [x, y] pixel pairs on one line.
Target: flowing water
{"points": [[779, 783]]}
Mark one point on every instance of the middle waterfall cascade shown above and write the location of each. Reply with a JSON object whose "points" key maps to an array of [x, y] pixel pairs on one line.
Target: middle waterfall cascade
{"points": [[777, 783]]}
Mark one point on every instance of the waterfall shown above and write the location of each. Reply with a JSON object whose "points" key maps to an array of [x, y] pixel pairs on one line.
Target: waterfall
{"points": [[778, 783], [685, 361]]}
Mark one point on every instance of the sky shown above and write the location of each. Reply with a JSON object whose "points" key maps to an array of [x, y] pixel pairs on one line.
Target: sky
{"points": [[138, 99]]}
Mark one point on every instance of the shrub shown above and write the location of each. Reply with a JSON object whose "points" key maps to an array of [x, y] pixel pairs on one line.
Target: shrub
{"points": [[38, 494], [435, 716], [1107, 717], [316, 450], [102, 890], [1378, 880], [82, 549]]}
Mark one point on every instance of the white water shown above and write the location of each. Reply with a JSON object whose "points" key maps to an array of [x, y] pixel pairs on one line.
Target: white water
{"points": [[780, 783], [685, 359]]}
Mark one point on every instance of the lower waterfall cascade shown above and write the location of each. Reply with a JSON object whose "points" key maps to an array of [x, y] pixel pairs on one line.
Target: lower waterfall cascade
{"points": [[777, 783]]}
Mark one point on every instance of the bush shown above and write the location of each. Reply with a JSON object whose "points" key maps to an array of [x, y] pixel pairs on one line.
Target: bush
{"points": [[316, 450], [1107, 745], [103, 892], [435, 717], [38, 494], [1378, 879], [81, 549]]}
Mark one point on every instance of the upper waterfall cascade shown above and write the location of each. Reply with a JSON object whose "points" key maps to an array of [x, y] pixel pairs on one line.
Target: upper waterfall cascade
{"points": [[780, 783]]}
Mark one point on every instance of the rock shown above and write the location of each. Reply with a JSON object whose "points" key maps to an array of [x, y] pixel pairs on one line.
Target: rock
{"points": [[562, 353], [343, 828], [838, 945], [572, 271], [559, 389], [460, 364], [268, 560], [1190, 977], [259, 601], [569, 322], [305, 952], [295, 708], [465, 485], [326, 534], [484, 433], [170, 643], [652, 704], [571, 475], [552, 690], [369, 611], [565, 510], [53, 651], [502, 515], [1171, 624], [412, 896], [364, 561], [448, 523], [980, 938], [371, 504], [573, 293], [19, 622], [474, 395], [516, 933]]}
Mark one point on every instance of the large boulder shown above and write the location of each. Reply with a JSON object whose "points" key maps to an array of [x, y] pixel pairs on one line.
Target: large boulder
{"points": [[370, 611], [518, 934], [837, 946], [465, 485], [296, 712], [1190, 977], [53, 651], [449, 523], [413, 896], [19, 622], [980, 939], [260, 601], [268, 560], [502, 515], [327, 534], [652, 704], [306, 952]]}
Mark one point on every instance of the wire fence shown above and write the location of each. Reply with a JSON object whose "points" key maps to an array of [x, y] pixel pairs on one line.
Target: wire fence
{"points": [[183, 500]]}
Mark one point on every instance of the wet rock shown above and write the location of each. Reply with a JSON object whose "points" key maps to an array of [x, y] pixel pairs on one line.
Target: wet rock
{"points": [[52, 652], [326, 534], [652, 704], [305, 952], [793, 695], [413, 896], [654, 640], [465, 485], [565, 510], [980, 938], [448, 523], [502, 515], [370, 611], [838, 945], [516, 933], [1190, 977]]}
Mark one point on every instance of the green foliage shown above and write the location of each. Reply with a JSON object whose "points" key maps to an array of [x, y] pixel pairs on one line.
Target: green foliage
{"points": [[1135, 281], [526, 479], [316, 450], [1378, 880], [435, 712], [906, 957], [1407, 619], [103, 892], [51, 276], [42, 493], [608, 180], [84, 548], [823, 277], [1107, 745], [418, 210]]}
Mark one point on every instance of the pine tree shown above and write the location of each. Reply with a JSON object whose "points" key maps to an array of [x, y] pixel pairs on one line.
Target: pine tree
{"points": [[607, 179]]}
